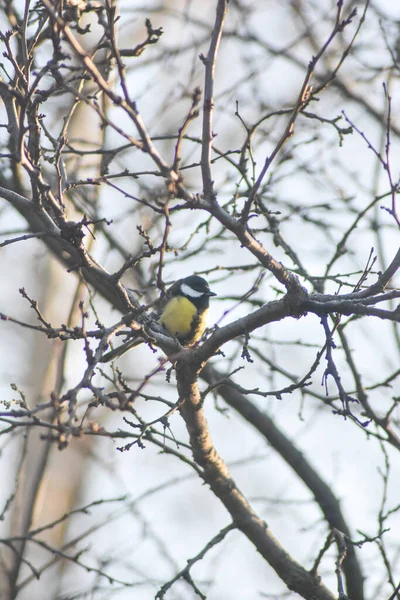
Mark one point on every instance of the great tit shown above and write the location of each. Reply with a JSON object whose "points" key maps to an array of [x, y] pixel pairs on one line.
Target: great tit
{"points": [[183, 314]]}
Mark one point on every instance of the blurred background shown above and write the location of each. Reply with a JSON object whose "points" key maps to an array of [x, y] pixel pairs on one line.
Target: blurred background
{"points": [[130, 520]]}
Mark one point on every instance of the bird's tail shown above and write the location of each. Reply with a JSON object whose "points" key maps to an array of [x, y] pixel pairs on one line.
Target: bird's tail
{"points": [[120, 350]]}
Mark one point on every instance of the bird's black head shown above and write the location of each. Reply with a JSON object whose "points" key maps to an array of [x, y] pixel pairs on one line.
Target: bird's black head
{"points": [[197, 290]]}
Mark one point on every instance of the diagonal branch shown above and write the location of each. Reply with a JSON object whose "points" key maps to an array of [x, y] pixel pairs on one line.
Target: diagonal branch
{"points": [[224, 487], [321, 491]]}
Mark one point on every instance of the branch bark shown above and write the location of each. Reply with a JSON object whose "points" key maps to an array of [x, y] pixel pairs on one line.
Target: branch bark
{"points": [[224, 487]]}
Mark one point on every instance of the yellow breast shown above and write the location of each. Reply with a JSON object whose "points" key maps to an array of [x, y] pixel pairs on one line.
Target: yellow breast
{"points": [[181, 319]]}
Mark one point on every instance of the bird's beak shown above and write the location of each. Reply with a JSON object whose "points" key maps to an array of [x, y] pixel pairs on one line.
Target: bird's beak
{"points": [[210, 293]]}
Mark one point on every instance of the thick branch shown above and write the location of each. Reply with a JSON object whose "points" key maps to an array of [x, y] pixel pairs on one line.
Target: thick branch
{"points": [[218, 477], [321, 491], [73, 255]]}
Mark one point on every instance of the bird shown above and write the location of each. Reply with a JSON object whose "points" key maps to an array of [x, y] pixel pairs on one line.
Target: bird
{"points": [[183, 314]]}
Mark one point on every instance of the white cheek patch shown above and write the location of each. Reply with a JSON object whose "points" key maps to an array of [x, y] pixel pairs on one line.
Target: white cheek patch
{"points": [[188, 291]]}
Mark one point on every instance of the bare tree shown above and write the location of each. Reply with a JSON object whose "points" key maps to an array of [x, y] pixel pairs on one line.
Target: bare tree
{"points": [[257, 145]]}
